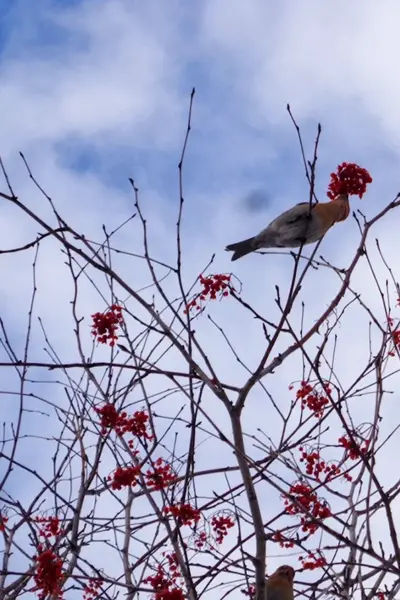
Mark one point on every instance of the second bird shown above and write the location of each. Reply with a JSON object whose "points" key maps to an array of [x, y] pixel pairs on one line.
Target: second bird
{"points": [[280, 584], [305, 223]]}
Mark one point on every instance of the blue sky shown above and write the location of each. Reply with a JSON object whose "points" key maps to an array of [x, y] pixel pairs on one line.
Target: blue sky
{"points": [[96, 92]]}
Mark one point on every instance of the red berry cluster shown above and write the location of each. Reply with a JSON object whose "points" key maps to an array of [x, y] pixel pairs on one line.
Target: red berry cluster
{"points": [[164, 584], [49, 575], [349, 179], [220, 526], [172, 594], [283, 541], [185, 514], [395, 334], [105, 325], [316, 466], [381, 595], [310, 398], [311, 562], [201, 540], [157, 478], [396, 341], [92, 589], [213, 286], [160, 476], [250, 591], [124, 477], [50, 526], [354, 450], [309, 501], [121, 423], [173, 565], [3, 522]]}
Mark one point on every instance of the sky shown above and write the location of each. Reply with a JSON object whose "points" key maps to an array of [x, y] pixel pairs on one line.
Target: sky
{"points": [[93, 93]]}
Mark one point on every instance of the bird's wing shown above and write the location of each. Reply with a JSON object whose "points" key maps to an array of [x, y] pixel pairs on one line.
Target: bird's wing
{"points": [[292, 215], [297, 213], [289, 229]]}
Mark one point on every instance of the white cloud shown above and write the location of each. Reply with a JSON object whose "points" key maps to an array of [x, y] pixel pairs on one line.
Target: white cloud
{"points": [[317, 57], [115, 77]]}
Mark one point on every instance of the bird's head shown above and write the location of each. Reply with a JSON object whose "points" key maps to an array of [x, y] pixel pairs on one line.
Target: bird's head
{"points": [[285, 572]]}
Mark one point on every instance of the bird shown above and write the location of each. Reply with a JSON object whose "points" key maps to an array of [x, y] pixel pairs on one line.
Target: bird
{"points": [[304, 223], [280, 584]]}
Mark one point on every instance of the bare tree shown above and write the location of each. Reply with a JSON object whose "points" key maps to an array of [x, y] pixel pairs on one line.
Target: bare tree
{"points": [[135, 470]]}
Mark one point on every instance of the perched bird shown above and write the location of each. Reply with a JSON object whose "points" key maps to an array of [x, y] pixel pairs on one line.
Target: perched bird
{"points": [[305, 223], [280, 584]]}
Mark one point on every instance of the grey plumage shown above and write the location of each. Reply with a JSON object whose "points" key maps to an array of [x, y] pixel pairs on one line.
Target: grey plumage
{"points": [[304, 223], [289, 230]]}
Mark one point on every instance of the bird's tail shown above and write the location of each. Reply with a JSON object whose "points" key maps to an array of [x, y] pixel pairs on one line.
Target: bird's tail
{"points": [[242, 248]]}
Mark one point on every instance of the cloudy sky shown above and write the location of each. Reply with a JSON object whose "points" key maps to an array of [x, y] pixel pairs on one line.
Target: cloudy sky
{"points": [[93, 93]]}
